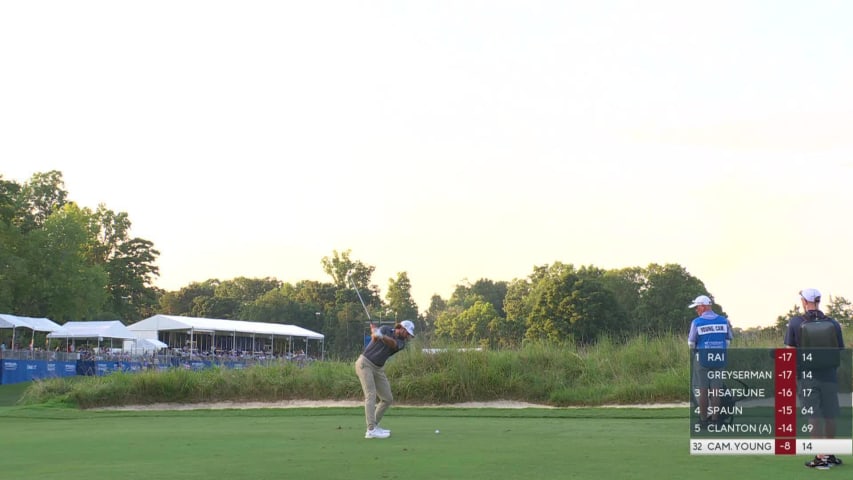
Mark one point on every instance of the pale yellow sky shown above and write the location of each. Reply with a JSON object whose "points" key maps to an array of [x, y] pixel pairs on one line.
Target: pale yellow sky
{"points": [[451, 140]]}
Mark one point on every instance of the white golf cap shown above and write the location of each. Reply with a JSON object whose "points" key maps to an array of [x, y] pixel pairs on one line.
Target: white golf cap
{"points": [[700, 300], [409, 326], [810, 294]]}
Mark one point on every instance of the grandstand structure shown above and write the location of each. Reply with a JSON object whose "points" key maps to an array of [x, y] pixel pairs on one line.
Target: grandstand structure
{"points": [[159, 342], [208, 336]]}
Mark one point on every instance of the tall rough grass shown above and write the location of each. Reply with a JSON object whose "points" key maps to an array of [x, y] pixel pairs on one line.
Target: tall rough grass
{"points": [[636, 371]]}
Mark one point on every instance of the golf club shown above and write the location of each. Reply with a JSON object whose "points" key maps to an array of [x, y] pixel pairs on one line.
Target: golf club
{"points": [[349, 277]]}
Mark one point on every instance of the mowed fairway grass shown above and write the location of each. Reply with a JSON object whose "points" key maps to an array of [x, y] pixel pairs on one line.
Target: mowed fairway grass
{"points": [[42, 442]]}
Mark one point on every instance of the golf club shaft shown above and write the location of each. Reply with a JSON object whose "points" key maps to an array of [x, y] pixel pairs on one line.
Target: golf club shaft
{"points": [[359, 298]]}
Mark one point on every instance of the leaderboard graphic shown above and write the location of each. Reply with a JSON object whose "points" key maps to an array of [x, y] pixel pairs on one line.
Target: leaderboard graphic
{"points": [[762, 402]]}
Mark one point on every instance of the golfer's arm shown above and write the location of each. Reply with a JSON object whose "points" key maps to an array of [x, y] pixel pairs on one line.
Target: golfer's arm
{"points": [[389, 342]]}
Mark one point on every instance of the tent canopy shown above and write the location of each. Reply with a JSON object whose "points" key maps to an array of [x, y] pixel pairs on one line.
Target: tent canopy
{"points": [[105, 329], [149, 344], [173, 322], [144, 345], [35, 324]]}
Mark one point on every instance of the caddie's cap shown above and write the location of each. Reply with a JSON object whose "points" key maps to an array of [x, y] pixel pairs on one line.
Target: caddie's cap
{"points": [[700, 300], [810, 295]]}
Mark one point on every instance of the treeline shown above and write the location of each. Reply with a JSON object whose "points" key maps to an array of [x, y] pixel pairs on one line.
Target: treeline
{"points": [[332, 308], [64, 262]]}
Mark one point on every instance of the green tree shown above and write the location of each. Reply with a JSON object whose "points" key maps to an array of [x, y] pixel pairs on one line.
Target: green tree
{"points": [[10, 193], [12, 265], [348, 274], [245, 289], [181, 302], [399, 298], [840, 309], [301, 304], [436, 306], [129, 262], [110, 230], [448, 326], [492, 292], [63, 283], [574, 305], [664, 293], [41, 195], [131, 270], [465, 317], [231, 297], [782, 321], [55, 252], [216, 307], [474, 324], [518, 310], [341, 268], [346, 320], [627, 285]]}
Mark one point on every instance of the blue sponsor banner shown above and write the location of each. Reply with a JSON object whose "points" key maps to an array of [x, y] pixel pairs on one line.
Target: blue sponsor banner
{"points": [[65, 369], [34, 369], [86, 367], [16, 371], [199, 365], [106, 367]]}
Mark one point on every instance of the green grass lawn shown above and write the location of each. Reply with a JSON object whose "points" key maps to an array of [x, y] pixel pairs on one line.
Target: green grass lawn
{"points": [[327, 443], [9, 394]]}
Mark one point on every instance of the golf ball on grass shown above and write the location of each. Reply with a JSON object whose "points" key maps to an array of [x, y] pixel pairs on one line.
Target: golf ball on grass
{"points": [[437, 431]]}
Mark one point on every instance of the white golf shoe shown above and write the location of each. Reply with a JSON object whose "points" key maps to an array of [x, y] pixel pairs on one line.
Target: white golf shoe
{"points": [[377, 432]]}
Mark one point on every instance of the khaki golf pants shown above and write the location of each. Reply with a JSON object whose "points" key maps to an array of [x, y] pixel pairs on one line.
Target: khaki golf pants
{"points": [[375, 386]]}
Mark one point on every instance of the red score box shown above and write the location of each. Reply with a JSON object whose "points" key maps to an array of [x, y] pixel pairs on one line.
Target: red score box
{"points": [[785, 398], [786, 446]]}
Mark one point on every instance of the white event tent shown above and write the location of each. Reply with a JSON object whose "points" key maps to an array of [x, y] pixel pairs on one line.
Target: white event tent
{"points": [[100, 330], [35, 324], [144, 345], [196, 327]]}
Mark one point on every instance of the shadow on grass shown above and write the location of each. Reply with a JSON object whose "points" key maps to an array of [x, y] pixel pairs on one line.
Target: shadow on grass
{"points": [[10, 394]]}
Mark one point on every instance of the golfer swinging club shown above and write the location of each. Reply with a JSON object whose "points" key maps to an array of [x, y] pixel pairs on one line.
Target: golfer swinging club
{"points": [[370, 368]]}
